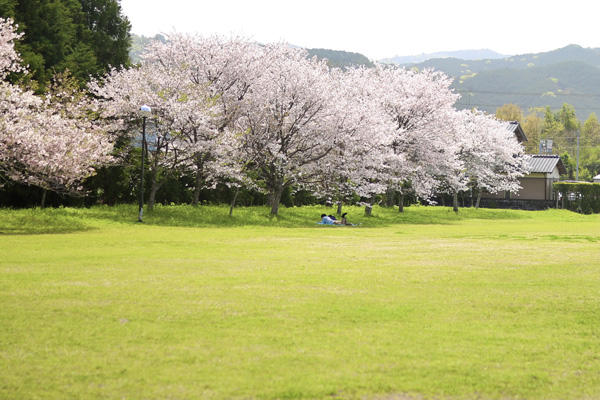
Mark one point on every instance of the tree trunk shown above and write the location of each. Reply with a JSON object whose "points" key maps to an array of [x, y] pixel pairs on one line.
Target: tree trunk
{"points": [[368, 210], [275, 198], [235, 195], [198, 180], [478, 199], [389, 197], [197, 186], [153, 189], [43, 200], [455, 202], [401, 203], [339, 208]]}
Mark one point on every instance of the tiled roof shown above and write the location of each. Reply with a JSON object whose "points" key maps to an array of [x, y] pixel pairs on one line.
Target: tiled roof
{"points": [[515, 127], [542, 163]]}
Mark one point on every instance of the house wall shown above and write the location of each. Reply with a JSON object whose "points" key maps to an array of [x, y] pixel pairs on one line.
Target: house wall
{"points": [[538, 186], [533, 188]]}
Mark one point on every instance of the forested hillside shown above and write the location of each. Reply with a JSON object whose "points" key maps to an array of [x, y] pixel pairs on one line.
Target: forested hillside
{"points": [[567, 75], [457, 66], [341, 59]]}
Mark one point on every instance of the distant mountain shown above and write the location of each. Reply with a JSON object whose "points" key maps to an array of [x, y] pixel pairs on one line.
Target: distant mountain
{"points": [[462, 54], [341, 59], [457, 66], [572, 82], [567, 75]]}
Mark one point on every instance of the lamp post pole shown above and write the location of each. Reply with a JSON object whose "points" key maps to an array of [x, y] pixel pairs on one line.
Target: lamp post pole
{"points": [[577, 173], [145, 109]]}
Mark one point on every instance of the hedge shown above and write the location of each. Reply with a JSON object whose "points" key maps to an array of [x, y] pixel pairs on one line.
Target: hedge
{"points": [[585, 196]]}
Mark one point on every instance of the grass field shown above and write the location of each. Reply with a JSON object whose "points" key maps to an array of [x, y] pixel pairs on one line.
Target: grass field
{"points": [[195, 305]]}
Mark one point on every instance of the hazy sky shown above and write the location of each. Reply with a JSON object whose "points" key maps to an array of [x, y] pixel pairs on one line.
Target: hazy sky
{"points": [[380, 28]]}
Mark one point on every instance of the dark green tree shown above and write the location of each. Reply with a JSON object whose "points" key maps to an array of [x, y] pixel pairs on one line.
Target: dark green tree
{"points": [[107, 32], [570, 165], [83, 36]]}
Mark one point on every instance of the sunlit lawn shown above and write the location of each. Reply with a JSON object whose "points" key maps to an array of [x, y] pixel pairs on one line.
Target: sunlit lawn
{"points": [[193, 305]]}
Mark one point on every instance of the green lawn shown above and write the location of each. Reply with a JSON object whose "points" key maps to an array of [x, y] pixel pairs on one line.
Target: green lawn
{"points": [[195, 305]]}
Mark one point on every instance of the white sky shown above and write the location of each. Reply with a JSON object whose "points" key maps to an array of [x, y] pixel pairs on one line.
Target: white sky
{"points": [[380, 28]]}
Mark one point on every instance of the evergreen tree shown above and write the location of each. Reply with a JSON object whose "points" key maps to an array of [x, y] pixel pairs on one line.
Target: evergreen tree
{"points": [[84, 36], [107, 32]]}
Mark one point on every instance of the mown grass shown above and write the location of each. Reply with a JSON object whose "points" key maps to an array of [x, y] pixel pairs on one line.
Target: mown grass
{"points": [[191, 304]]}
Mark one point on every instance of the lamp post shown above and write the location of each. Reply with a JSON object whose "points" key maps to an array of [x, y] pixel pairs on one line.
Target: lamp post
{"points": [[145, 110], [577, 173]]}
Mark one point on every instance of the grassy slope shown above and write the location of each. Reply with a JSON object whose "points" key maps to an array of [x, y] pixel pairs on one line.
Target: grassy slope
{"points": [[497, 304]]}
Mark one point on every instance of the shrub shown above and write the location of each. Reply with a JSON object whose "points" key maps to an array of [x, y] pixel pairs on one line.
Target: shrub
{"points": [[586, 197]]}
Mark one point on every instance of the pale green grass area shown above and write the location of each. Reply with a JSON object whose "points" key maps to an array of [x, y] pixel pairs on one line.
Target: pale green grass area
{"points": [[486, 304]]}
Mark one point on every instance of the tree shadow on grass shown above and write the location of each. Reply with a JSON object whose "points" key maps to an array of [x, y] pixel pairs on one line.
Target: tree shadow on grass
{"points": [[37, 222], [68, 220], [203, 216], [215, 216]]}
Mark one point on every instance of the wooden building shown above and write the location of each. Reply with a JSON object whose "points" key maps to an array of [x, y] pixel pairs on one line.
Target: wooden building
{"points": [[544, 170], [536, 187]]}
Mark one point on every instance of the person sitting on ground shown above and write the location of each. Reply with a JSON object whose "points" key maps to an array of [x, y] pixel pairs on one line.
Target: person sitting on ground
{"points": [[326, 220], [330, 220]]}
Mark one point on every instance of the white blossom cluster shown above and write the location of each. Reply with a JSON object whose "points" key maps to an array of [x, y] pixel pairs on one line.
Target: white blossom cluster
{"points": [[47, 142]]}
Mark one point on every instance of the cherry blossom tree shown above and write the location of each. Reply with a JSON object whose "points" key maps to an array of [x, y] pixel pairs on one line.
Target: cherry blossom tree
{"points": [[358, 165], [196, 88], [50, 142], [121, 94], [289, 122], [488, 154], [9, 58], [410, 143], [493, 158], [420, 104], [218, 74]]}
